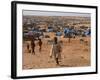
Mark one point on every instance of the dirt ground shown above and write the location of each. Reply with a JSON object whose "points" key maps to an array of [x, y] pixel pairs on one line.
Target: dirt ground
{"points": [[74, 54]]}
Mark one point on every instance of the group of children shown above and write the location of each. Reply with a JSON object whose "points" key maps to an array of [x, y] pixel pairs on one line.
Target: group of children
{"points": [[55, 51], [33, 46]]}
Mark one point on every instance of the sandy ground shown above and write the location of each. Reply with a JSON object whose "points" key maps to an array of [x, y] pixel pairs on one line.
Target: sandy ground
{"points": [[73, 54]]}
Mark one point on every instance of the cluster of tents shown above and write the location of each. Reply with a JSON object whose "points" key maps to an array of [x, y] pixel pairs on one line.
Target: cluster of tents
{"points": [[66, 32], [71, 32]]}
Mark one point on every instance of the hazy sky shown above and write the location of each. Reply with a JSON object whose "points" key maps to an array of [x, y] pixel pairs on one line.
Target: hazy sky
{"points": [[49, 13]]}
